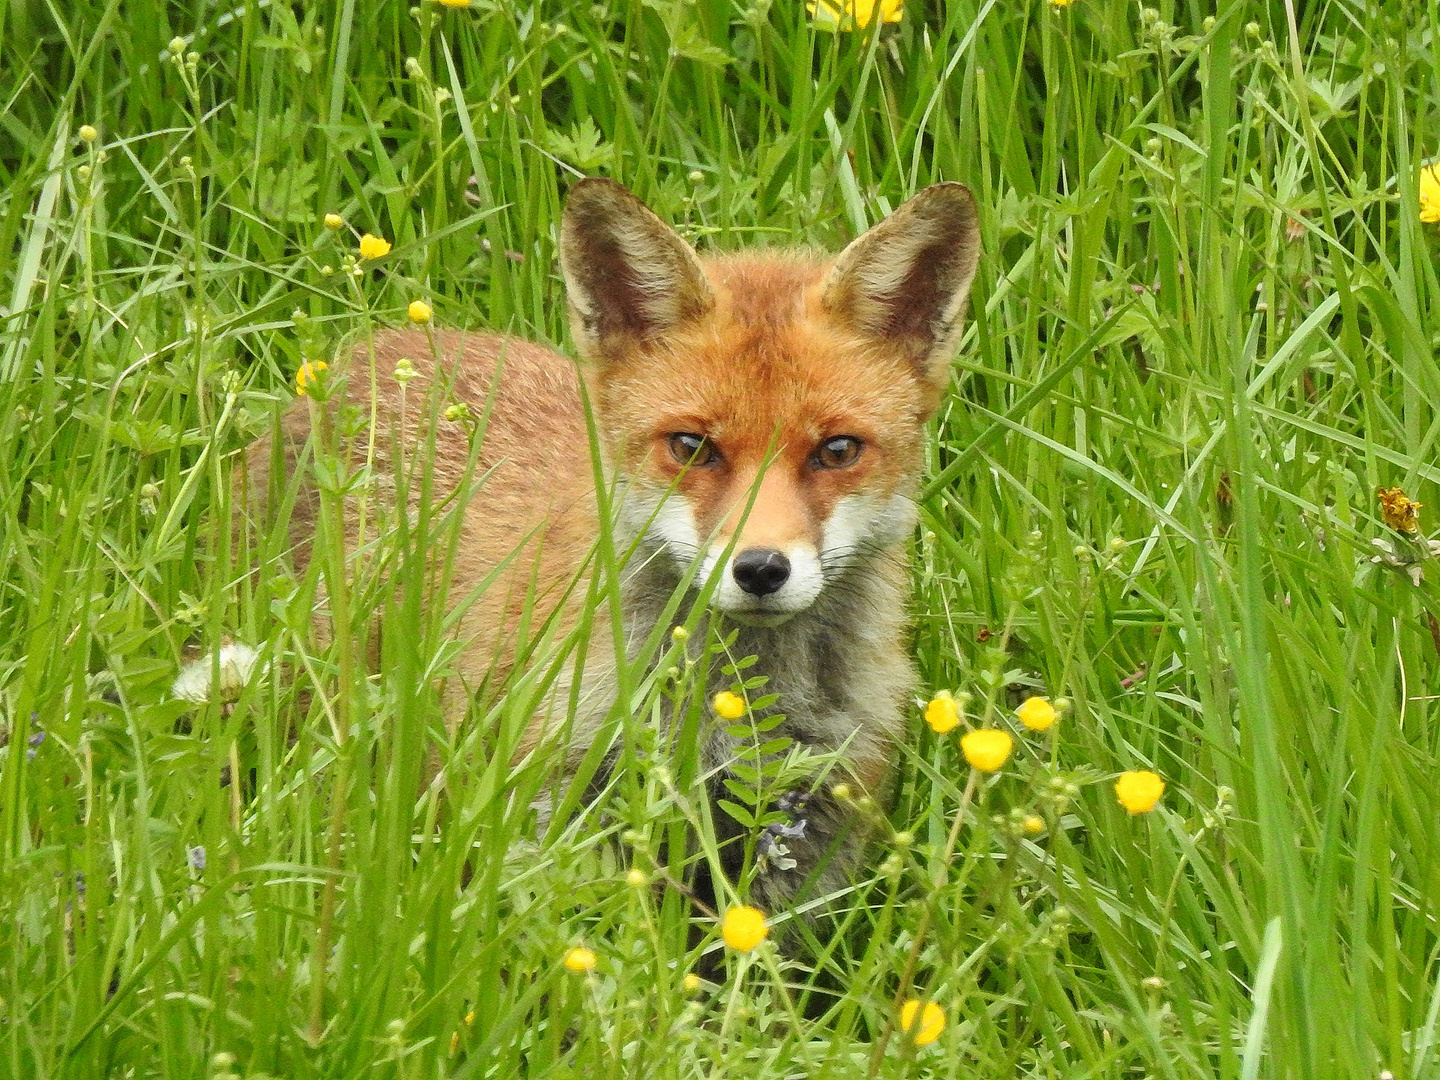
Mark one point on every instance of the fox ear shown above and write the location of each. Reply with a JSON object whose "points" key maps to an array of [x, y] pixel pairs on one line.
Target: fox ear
{"points": [[905, 282], [629, 277]]}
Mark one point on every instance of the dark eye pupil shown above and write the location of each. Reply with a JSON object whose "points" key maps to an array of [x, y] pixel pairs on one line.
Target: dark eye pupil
{"points": [[690, 449], [838, 452]]}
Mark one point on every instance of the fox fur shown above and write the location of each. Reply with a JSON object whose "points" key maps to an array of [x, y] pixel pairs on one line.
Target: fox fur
{"points": [[762, 414]]}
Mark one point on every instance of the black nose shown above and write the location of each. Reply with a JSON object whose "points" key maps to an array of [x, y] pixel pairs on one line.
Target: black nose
{"points": [[761, 571]]}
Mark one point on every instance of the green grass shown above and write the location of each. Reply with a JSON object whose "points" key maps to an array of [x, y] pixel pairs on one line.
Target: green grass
{"points": [[1203, 337]]}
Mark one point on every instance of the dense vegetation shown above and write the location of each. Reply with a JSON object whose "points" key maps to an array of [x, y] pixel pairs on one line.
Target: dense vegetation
{"points": [[1202, 340]]}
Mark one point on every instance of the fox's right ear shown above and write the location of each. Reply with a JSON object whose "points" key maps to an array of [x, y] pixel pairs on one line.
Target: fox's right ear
{"points": [[629, 277]]}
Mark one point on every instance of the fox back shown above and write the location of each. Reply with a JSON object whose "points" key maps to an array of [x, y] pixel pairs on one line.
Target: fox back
{"points": [[762, 418]]}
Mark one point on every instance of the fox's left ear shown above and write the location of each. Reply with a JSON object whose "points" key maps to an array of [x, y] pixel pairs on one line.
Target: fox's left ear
{"points": [[905, 282]]}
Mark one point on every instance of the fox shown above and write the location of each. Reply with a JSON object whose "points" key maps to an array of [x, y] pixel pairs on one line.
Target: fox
{"points": [[761, 418]]}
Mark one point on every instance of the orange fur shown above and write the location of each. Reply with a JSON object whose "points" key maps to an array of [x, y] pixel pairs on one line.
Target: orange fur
{"points": [[783, 365]]}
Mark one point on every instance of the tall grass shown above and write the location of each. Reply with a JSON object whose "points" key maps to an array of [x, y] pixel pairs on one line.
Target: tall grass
{"points": [[1202, 338]]}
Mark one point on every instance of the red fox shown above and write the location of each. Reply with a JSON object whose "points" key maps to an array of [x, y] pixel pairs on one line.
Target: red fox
{"points": [[763, 418]]}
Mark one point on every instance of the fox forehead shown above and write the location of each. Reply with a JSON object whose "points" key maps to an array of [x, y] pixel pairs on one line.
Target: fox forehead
{"points": [[767, 368]]}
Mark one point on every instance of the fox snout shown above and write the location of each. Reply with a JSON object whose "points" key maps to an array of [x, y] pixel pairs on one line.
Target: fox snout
{"points": [[760, 571], [764, 584]]}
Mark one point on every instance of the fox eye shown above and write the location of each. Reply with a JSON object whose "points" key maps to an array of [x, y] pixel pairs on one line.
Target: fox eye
{"points": [[694, 450], [839, 452]]}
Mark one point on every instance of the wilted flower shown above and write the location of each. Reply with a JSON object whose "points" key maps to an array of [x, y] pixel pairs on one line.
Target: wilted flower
{"points": [[743, 928], [1139, 791], [1430, 193], [373, 247], [854, 14], [1037, 713], [932, 1021], [1397, 511], [237, 664], [943, 713], [729, 705], [986, 749]]}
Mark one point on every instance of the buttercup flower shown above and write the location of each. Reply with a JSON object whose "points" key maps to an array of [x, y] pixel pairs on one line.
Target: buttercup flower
{"points": [[456, 3], [1396, 510], [691, 983], [1430, 193], [743, 928], [943, 713], [1037, 713], [1061, 3], [854, 14], [373, 247], [986, 749], [419, 311], [579, 960], [334, 221], [1139, 791], [932, 1021], [1033, 825], [88, 133], [309, 372], [729, 706]]}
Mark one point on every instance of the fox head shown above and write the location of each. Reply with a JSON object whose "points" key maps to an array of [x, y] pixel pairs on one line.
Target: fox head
{"points": [[766, 412]]}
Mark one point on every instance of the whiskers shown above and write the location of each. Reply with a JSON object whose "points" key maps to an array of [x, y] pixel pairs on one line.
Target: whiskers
{"points": [[840, 560]]}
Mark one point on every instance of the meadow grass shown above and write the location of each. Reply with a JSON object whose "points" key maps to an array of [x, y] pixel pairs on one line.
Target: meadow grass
{"points": [[1202, 338]]}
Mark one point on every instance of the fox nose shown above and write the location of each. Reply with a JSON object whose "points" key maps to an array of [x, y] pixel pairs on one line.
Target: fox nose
{"points": [[761, 571]]}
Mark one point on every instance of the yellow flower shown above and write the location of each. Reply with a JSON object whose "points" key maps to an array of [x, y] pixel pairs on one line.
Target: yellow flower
{"points": [[456, 3], [1061, 3], [854, 14], [691, 983], [455, 1038], [1139, 791], [308, 374], [743, 928], [579, 960], [1396, 510], [1430, 193], [943, 713], [729, 706], [1037, 713], [373, 247], [88, 133], [419, 311], [986, 749], [334, 221], [932, 1021], [1033, 825]]}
